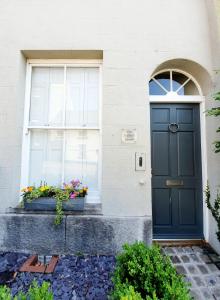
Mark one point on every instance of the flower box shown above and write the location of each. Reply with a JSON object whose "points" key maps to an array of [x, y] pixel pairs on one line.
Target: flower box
{"points": [[49, 204]]}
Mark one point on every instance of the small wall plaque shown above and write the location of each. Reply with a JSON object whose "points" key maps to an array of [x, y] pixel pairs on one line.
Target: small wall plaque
{"points": [[129, 136]]}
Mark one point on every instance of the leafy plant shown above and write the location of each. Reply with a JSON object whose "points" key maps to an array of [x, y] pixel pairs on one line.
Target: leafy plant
{"points": [[40, 293], [144, 273], [35, 292], [127, 292], [215, 208], [69, 191], [215, 111], [5, 293]]}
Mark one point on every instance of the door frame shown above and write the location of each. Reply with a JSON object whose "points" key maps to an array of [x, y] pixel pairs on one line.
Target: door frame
{"points": [[201, 101]]}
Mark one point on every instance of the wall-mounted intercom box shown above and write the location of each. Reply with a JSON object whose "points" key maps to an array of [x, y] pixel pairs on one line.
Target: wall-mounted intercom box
{"points": [[140, 161]]}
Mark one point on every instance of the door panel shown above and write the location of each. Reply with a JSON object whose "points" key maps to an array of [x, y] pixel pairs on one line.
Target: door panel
{"points": [[176, 159], [187, 207], [161, 154], [162, 207], [185, 144]]}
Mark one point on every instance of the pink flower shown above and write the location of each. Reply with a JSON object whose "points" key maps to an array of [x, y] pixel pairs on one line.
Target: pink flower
{"points": [[72, 196]]}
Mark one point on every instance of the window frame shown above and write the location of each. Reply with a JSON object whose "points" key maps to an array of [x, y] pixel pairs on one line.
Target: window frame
{"points": [[173, 97], [25, 156]]}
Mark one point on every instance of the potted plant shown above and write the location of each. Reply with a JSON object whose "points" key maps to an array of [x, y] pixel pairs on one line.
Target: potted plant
{"points": [[50, 198]]}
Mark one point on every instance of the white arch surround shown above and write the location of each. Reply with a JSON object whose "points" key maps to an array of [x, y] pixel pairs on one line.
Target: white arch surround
{"points": [[200, 100], [173, 96]]}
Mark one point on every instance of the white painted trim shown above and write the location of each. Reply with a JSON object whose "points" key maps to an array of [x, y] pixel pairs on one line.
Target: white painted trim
{"points": [[62, 128], [26, 136], [176, 99], [67, 62], [204, 168], [26, 129]]}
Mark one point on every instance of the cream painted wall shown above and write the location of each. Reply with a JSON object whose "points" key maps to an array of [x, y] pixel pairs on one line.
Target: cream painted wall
{"points": [[213, 160], [136, 37]]}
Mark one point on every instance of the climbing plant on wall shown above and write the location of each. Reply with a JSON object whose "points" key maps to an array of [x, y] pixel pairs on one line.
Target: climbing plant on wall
{"points": [[215, 111], [215, 207]]}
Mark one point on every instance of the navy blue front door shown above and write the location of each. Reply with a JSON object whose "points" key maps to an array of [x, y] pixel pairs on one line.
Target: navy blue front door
{"points": [[176, 171]]}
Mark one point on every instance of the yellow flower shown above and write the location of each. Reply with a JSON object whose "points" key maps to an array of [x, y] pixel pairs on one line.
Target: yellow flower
{"points": [[44, 188], [27, 189]]}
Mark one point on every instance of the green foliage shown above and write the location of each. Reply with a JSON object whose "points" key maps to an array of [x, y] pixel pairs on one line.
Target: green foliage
{"points": [[127, 292], [215, 208], [5, 293], [60, 196], [35, 292], [144, 273], [40, 293], [215, 111]]}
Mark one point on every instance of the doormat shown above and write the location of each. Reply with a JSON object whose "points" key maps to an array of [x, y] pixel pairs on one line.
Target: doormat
{"points": [[35, 264]]}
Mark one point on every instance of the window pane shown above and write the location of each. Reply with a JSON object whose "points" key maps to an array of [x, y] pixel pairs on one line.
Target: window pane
{"points": [[189, 89], [73, 155], [46, 157], [91, 101], [155, 89], [47, 96], [82, 97], [81, 157]]}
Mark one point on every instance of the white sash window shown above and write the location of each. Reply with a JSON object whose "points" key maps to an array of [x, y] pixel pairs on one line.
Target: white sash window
{"points": [[62, 126]]}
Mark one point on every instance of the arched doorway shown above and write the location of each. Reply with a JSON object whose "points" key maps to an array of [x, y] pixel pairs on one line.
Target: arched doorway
{"points": [[177, 200]]}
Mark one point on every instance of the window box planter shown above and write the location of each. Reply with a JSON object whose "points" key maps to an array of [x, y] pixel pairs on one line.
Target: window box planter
{"points": [[49, 204], [47, 198]]}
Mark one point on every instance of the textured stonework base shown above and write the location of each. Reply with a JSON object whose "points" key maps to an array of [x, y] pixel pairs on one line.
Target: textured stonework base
{"points": [[86, 234]]}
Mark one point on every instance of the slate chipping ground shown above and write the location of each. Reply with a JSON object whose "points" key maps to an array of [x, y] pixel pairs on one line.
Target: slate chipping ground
{"points": [[201, 267], [89, 277]]}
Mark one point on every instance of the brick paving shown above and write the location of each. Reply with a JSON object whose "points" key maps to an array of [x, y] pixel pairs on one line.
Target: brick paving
{"points": [[200, 266]]}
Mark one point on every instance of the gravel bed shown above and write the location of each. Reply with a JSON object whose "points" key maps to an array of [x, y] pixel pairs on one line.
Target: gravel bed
{"points": [[75, 277]]}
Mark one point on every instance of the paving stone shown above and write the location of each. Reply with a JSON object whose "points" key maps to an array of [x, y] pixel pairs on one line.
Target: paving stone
{"points": [[185, 258], [196, 294], [198, 269], [206, 293], [215, 258], [194, 258], [197, 249], [180, 269], [198, 281], [205, 258], [216, 292], [192, 269], [179, 250], [212, 267], [211, 280], [169, 250], [203, 269], [188, 250], [175, 259]]}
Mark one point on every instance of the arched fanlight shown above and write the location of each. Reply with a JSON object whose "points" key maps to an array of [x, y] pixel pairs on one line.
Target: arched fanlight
{"points": [[173, 82]]}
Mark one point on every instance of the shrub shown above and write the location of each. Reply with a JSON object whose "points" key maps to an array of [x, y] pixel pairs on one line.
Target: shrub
{"points": [[144, 273], [5, 293], [35, 292]]}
